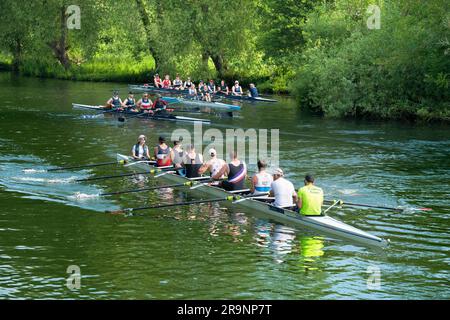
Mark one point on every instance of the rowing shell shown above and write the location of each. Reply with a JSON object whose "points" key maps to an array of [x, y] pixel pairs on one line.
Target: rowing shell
{"points": [[142, 88], [142, 115], [325, 224], [206, 104]]}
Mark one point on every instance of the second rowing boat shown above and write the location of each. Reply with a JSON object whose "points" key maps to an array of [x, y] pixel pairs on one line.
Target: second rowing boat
{"points": [[324, 224], [142, 115]]}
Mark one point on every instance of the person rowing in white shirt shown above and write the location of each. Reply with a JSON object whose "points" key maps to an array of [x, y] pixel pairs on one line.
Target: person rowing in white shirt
{"points": [[283, 190], [262, 180], [213, 165]]}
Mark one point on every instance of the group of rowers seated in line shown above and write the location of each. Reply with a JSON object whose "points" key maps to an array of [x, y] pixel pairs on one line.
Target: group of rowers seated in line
{"points": [[142, 105], [231, 176], [204, 90]]}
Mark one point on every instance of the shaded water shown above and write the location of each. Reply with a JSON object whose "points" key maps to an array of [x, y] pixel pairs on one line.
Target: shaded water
{"points": [[213, 250]]}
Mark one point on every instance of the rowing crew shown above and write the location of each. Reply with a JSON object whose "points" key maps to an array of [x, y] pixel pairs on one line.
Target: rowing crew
{"points": [[231, 176], [205, 90], [144, 104]]}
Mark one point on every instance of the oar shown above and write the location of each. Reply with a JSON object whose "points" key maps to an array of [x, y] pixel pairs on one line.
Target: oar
{"points": [[334, 204], [85, 166], [130, 210], [340, 202], [121, 175], [188, 183], [141, 161]]}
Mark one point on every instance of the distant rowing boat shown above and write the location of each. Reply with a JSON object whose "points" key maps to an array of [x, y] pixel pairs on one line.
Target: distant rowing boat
{"points": [[141, 115], [143, 88], [324, 224], [199, 103]]}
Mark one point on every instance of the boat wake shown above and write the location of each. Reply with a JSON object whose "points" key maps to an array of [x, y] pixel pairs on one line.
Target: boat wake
{"points": [[58, 187]]}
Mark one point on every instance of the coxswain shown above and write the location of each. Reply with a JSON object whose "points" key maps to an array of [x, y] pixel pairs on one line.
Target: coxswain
{"points": [[237, 89], [283, 190], [262, 180], [192, 162], [167, 84], [213, 165], [129, 103], [310, 198], [114, 102], [223, 88], [178, 83], [236, 171], [157, 81], [144, 104], [253, 91], [163, 153], [140, 149]]}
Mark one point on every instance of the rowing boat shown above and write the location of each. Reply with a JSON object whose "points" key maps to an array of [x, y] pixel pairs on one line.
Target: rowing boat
{"points": [[205, 104], [141, 115], [144, 88], [324, 224]]}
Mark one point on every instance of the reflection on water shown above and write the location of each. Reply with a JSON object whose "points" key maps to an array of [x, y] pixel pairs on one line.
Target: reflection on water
{"points": [[213, 250]]}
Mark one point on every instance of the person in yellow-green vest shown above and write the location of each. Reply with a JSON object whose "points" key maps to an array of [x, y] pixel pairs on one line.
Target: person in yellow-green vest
{"points": [[310, 198]]}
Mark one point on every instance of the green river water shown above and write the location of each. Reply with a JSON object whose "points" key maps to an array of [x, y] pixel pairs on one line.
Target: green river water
{"points": [[213, 250]]}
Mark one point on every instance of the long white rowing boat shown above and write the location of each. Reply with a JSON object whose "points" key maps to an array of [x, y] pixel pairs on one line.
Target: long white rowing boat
{"points": [[141, 115], [325, 224], [199, 103]]}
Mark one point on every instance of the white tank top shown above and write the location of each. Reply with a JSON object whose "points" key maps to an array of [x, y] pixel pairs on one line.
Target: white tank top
{"points": [[263, 181], [216, 165]]}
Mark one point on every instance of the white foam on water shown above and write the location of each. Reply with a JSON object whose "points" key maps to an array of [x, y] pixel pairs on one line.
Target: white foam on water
{"points": [[83, 196], [28, 171]]}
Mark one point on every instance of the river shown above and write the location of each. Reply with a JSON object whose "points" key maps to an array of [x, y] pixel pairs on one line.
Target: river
{"points": [[213, 251]]}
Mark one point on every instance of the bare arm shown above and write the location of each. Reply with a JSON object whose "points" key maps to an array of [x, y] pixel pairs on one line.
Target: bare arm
{"points": [[254, 181]]}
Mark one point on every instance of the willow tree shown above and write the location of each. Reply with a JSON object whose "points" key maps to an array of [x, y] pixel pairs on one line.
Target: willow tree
{"points": [[16, 25]]}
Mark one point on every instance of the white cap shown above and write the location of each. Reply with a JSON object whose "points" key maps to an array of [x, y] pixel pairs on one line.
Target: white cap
{"points": [[212, 151], [141, 137], [278, 171]]}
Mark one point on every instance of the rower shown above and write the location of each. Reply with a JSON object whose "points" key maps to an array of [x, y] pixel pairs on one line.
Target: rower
{"points": [[237, 89], [192, 161], [167, 84], [130, 103], [177, 83], [192, 92], [253, 91], [310, 198], [236, 171], [223, 88], [157, 81], [283, 190], [188, 83], [211, 87], [159, 105], [262, 180], [144, 104], [213, 165], [206, 96], [201, 84], [177, 154], [114, 102], [140, 149], [163, 153]]}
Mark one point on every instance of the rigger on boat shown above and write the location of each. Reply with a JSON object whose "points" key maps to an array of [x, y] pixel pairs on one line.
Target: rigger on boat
{"points": [[271, 196]]}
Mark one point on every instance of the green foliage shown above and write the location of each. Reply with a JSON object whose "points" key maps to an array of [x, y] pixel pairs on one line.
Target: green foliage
{"points": [[399, 71]]}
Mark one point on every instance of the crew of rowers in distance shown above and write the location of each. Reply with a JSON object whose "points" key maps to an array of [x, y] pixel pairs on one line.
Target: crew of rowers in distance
{"points": [[231, 176], [142, 105], [204, 90]]}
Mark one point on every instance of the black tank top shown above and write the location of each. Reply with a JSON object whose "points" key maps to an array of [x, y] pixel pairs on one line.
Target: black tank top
{"points": [[193, 167]]}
